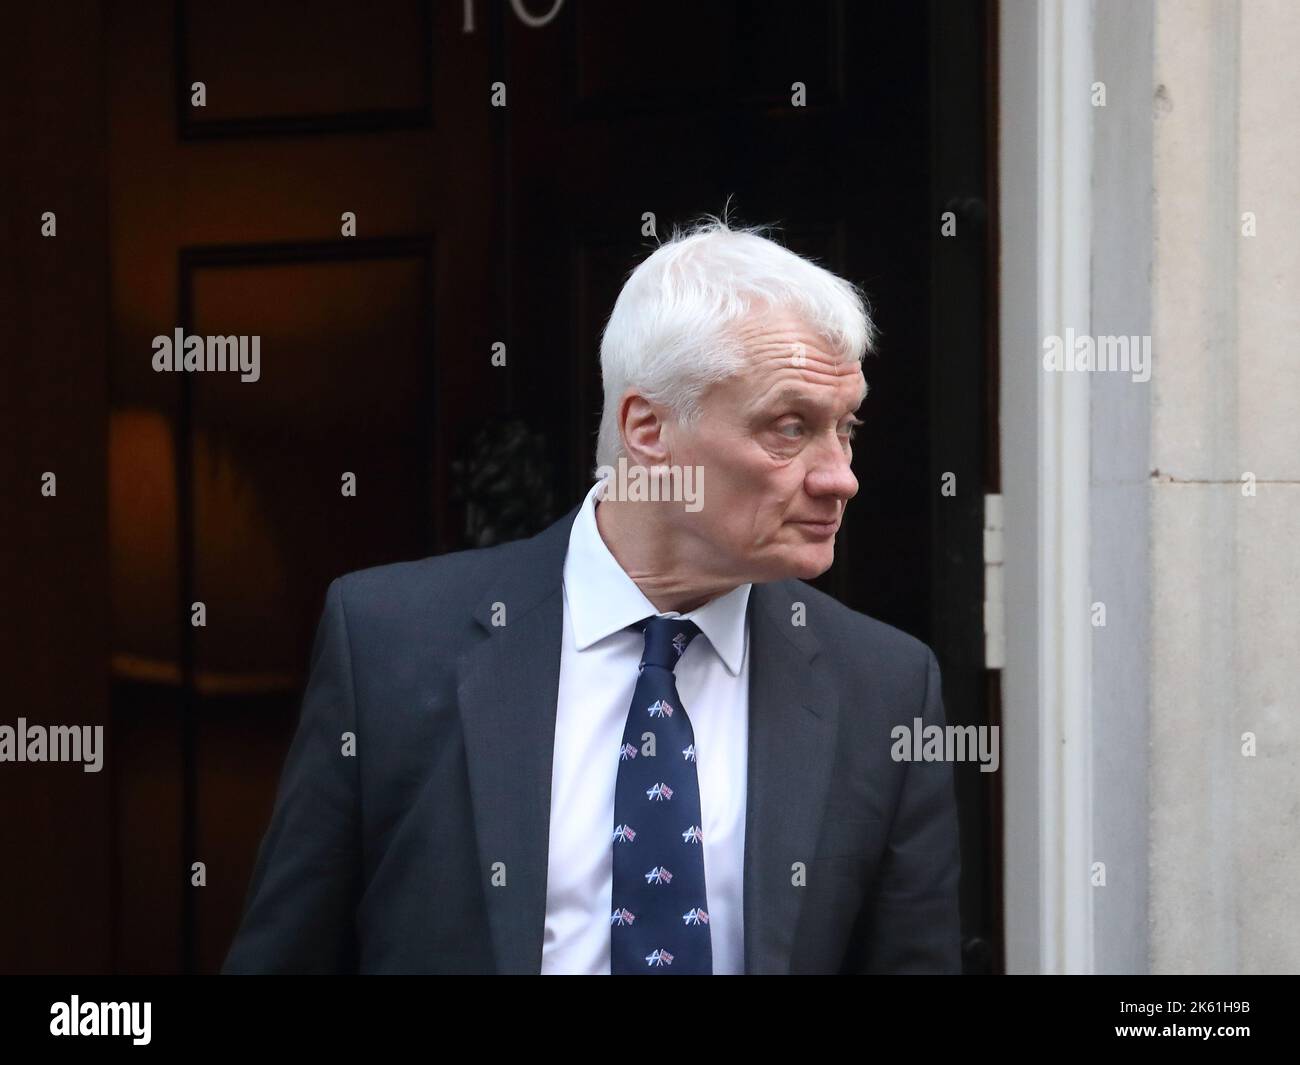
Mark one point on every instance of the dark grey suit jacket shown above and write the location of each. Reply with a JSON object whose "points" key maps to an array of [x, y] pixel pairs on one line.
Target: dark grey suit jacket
{"points": [[383, 861]]}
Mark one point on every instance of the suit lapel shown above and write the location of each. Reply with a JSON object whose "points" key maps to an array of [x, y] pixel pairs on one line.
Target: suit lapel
{"points": [[508, 685], [793, 713]]}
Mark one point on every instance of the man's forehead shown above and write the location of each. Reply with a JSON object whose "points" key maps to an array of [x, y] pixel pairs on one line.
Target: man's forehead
{"points": [[796, 393]]}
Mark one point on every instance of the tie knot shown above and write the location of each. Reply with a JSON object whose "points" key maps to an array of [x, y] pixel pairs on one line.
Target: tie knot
{"points": [[666, 639]]}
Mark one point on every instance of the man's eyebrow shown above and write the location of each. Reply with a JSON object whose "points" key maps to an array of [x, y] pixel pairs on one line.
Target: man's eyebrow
{"points": [[795, 395]]}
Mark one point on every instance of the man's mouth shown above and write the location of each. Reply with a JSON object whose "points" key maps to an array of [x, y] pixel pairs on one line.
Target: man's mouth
{"points": [[821, 528]]}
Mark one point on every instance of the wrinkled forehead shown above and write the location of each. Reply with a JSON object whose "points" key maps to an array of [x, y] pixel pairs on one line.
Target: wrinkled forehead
{"points": [[778, 333], [784, 355]]}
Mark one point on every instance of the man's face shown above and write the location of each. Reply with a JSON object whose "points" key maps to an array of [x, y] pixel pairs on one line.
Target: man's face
{"points": [[775, 445]]}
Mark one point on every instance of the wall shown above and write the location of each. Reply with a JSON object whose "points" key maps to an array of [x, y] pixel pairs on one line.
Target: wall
{"points": [[1225, 829], [1201, 843]]}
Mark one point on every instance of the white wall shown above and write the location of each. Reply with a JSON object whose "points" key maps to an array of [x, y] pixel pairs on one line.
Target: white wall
{"points": [[1225, 568], [1123, 744]]}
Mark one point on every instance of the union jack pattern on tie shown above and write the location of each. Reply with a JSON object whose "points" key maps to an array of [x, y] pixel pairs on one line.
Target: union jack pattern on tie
{"points": [[659, 923]]}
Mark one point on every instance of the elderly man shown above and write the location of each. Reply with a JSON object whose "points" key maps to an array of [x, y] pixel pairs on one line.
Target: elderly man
{"points": [[637, 742]]}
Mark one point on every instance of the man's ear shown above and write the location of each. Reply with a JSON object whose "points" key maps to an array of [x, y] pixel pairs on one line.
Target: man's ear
{"points": [[643, 427]]}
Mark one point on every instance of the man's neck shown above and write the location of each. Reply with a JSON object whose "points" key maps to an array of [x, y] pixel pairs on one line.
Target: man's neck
{"points": [[650, 554]]}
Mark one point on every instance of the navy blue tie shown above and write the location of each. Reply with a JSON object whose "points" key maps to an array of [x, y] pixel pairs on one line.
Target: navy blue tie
{"points": [[660, 922]]}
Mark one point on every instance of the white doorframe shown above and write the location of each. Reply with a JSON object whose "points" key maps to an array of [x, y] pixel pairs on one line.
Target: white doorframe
{"points": [[1045, 173]]}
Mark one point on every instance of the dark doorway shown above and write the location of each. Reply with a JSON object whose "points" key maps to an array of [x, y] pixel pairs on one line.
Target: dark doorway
{"points": [[851, 127]]}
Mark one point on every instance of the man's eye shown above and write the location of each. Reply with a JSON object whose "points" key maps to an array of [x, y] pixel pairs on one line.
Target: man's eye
{"points": [[798, 429]]}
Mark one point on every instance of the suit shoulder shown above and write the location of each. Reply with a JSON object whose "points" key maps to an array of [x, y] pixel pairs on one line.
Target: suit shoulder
{"points": [[842, 623], [437, 578]]}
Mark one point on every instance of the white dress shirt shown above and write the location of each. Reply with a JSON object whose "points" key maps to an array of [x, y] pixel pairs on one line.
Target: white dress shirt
{"points": [[598, 671]]}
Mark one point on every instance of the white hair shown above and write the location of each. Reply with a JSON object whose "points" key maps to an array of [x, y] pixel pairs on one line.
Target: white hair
{"points": [[672, 331]]}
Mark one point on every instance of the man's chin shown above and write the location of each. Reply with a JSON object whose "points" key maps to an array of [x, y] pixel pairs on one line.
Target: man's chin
{"points": [[807, 565]]}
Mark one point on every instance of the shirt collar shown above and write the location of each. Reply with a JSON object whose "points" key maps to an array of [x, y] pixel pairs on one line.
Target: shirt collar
{"points": [[603, 599]]}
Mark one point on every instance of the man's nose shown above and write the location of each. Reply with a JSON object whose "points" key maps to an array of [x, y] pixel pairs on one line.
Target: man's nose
{"points": [[831, 473]]}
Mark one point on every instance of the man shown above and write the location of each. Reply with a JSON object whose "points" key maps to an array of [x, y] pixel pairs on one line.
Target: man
{"points": [[452, 800]]}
